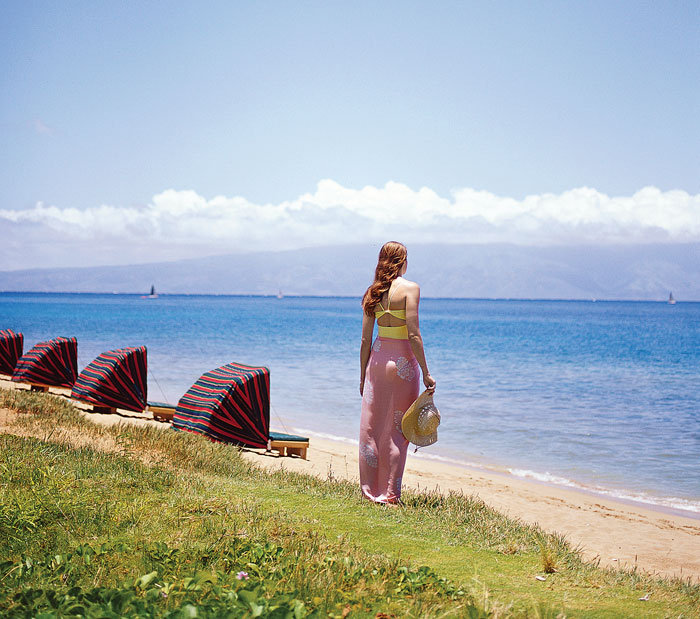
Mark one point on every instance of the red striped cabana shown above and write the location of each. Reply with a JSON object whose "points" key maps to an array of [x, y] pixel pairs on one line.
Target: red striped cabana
{"points": [[49, 364], [230, 404], [116, 379], [11, 346]]}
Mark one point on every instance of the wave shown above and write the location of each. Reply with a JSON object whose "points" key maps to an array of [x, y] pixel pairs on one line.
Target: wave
{"points": [[330, 437], [678, 503], [466, 463], [675, 503]]}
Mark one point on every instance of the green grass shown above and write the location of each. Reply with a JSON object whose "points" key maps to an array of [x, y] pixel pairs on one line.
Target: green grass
{"points": [[151, 522]]}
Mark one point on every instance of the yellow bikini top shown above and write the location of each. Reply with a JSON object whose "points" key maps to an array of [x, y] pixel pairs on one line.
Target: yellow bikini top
{"points": [[395, 333]]}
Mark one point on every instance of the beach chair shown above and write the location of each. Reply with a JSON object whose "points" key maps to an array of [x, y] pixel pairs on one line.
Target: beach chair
{"points": [[231, 404], [288, 444], [115, 379], [49, 364], [162, 411], [284, 444], [11, 346]]}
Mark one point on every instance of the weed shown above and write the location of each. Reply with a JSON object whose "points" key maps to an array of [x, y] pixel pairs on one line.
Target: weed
{"points": [[548, 559]]}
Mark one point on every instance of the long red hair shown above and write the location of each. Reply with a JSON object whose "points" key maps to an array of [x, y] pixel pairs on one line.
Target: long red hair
{"points": [[392, 257]]}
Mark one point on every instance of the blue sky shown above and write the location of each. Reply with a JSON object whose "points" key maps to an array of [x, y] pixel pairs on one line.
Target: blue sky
{"points": [[108, 103]]}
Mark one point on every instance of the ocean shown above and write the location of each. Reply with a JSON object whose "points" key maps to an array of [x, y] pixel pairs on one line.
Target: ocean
{"points": [[602, 396]]}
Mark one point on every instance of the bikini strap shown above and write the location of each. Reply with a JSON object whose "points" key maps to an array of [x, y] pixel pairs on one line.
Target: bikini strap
{"points": [[388, 303]]}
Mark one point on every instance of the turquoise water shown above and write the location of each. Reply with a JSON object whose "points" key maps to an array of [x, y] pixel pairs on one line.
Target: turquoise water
{"points": [[605, 396]]}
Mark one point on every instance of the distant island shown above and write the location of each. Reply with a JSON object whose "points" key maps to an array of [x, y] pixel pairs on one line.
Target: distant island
{"points": [[644, 272]]}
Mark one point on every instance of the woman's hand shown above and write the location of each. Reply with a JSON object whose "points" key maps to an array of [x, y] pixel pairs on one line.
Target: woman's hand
{"points": [[362, 387], [429, 382]]}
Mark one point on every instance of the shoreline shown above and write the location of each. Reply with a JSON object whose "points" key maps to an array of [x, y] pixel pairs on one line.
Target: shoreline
{"points": [[607, 530], [529, 477], [473, 467]]}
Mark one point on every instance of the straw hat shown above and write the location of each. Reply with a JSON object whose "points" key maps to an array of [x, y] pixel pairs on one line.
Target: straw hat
{"points": [[419, 423]]}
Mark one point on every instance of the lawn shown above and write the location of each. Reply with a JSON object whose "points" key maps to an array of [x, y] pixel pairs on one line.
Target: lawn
{"points": [[131, 521]]}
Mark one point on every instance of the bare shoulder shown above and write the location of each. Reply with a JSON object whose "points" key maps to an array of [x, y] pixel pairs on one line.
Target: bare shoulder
{"points": [[411, 288]]}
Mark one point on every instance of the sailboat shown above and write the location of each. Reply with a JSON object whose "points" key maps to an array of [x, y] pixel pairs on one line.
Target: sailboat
{"points": [[152, 295], [671, 300]]}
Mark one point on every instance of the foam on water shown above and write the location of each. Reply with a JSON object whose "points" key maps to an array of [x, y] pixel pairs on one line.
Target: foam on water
{"points": [[671, 503], [330, 437], [675, 503]]}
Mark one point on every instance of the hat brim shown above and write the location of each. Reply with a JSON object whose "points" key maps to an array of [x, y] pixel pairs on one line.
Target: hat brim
{"points": [[423, 441], [409, 422]]}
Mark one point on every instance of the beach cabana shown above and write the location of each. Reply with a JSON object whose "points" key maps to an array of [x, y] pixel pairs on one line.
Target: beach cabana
{"points": [[11, 346], [49, 364], [115, 379], [231, 404]]}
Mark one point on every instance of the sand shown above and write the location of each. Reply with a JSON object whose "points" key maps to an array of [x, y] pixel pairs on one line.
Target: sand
{"points": [[617, 533]]}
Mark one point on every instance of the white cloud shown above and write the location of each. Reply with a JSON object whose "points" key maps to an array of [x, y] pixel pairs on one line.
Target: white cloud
{"points": [[186, 223]]}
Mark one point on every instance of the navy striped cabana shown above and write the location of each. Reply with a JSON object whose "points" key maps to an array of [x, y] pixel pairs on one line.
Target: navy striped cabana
{"points": [[116, 379], [230, 404], [11, 345], [52, 364]]}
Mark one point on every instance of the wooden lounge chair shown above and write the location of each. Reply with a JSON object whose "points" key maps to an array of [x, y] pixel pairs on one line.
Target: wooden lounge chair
{"points": [[161, 411], [284, 444], [288, 444], [231, 404]]}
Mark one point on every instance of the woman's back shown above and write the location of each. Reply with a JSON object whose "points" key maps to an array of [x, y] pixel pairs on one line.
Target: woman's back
{"points": [[391, 310]]}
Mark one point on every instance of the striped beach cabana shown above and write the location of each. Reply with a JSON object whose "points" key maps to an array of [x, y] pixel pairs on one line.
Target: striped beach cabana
{"points": [[49, 364], [230, 404], [116, 379], [11, 346]]}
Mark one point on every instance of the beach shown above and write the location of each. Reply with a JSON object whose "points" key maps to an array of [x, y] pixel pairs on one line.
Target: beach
{"points": [[607, 387], [572, 397], [619, 534], [613, 532]]}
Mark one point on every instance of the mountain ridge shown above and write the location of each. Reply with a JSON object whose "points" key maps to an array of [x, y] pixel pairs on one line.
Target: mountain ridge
{"points": [[632, 272]]}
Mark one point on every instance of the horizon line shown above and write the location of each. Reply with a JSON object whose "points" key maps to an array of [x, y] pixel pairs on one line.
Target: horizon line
{"points": [[339, 296]]}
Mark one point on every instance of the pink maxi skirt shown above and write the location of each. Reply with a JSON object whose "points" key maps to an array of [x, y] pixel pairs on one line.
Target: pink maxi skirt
{"points": [[391, 385]]}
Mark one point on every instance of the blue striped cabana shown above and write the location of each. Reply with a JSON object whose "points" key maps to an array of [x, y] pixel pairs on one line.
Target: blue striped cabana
{"points": [[11, 346], [116, 379], [49, 364], [230, 404]]}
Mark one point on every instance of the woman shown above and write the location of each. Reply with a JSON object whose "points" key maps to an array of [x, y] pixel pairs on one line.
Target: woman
{"points": [[389, 381]]}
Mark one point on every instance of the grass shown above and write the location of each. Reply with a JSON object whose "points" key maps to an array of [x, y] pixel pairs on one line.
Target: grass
{"points": [[148, 522]]}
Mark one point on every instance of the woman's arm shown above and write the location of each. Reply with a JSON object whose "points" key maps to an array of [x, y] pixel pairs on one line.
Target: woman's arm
{"points": [[414, 336], [365, 346]]}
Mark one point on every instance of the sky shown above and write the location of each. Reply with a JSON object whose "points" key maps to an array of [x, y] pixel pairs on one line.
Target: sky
{"points": [[137, 131]]}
